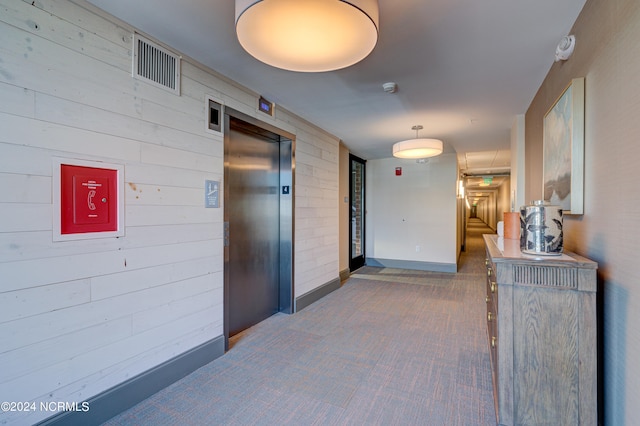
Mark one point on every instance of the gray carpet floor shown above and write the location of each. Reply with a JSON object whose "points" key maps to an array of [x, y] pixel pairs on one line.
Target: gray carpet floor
{"points": [[390, 347]]}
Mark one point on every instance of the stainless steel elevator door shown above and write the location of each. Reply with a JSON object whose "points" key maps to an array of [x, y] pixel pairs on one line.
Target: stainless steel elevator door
{"points": [[253, 214]]}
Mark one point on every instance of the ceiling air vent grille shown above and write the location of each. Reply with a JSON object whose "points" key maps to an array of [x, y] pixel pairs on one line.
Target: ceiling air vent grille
{"points": [[155, 64]]}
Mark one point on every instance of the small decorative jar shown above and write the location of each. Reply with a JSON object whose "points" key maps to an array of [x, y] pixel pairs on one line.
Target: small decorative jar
{"points": [[541, 229]]}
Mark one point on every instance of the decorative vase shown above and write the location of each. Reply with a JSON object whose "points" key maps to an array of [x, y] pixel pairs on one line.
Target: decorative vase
{"points": [[541, 229], [512, 225]]}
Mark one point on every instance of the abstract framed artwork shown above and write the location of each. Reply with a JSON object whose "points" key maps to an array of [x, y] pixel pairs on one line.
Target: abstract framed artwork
{"points": [[563, 150]]}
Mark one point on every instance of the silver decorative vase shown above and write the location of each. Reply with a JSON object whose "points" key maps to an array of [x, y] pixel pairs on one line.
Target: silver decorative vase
{"points": [[541, 229]]}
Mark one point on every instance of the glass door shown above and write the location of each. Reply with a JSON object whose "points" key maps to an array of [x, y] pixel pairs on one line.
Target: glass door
{"points": [[357, 225]]}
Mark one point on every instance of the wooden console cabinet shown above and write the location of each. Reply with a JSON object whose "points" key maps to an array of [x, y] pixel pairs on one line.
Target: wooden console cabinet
{"points": [[541, 320]]}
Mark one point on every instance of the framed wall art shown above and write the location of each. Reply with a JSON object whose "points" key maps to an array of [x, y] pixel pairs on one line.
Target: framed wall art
{"points": [[563, 150]]}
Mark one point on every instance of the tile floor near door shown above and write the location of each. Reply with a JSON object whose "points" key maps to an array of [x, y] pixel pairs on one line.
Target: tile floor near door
{"points": [[390, 347]]}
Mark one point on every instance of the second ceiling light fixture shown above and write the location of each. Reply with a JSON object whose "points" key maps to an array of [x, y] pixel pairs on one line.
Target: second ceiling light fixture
{"points": [[418, 147]]}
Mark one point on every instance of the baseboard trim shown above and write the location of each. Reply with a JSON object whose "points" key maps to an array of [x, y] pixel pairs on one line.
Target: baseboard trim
{"points": [[412, 264], [316, 294], [121, 397], [345, 274]]}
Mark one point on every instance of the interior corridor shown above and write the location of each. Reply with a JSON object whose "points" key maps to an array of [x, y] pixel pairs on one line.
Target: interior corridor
{"points": [[390, 347]]}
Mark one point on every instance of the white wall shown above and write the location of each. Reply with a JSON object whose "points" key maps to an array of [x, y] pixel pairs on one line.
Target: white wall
{"points": [[503, 198], [517, 186], [417, 209], [345, 207], [78, 317], [316, 230]]}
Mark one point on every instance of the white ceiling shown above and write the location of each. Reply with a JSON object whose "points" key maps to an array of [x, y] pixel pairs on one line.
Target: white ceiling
{"points": [[479, 189], [464, 69]]}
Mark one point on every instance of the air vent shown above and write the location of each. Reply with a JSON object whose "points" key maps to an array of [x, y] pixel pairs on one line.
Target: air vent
{"points": [[155, 64]]}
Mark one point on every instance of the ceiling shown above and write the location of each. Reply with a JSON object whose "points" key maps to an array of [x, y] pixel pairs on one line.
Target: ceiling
{"points": [[464, 69], [480, 188]]}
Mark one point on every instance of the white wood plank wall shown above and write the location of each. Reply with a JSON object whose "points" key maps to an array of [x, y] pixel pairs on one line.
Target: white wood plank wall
{"points": [[78, 317]]}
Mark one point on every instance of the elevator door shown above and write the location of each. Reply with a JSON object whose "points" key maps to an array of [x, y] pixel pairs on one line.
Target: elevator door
{"points": [[252, 212]]}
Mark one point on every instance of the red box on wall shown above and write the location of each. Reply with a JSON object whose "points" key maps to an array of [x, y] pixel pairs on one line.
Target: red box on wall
{"points": [[88, 199]]}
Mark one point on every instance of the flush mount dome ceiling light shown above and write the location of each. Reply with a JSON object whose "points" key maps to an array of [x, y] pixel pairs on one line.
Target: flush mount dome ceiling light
{"points": [[307, 35], [418, 147]]}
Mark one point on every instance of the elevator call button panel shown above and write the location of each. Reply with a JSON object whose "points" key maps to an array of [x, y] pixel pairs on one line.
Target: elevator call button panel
{"points": [[88, 199]]}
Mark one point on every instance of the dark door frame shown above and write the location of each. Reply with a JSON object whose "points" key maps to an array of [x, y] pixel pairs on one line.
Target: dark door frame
{"points": [[358, 261]]}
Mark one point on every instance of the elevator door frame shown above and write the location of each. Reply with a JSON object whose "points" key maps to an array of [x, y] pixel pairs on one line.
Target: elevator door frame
{"points": [[286, 302]]}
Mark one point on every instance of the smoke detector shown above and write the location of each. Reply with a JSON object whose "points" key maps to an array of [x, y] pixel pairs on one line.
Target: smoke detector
{"points": [[390, 87], [565, 48]]}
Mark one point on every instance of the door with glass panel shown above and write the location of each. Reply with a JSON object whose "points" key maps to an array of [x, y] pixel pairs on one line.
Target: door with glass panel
{"points": [[357, 222]]}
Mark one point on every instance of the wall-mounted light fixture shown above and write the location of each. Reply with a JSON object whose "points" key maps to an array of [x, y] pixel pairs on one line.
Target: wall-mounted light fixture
{"points": [[307, 35], [418, 147]]}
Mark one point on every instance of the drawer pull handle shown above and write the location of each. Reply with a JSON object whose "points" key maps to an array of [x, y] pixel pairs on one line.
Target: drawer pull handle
{"points": [[486, 262], [486, 299], [493, 342], [493, 287], [489, 316], [489, 272]]}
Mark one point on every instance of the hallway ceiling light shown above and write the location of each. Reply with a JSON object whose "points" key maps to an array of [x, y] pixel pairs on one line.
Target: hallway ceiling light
{"points": [[307, 35], [418, 147]]}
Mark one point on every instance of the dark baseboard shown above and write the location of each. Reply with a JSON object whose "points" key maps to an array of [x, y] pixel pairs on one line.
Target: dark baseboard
{"points": [[316, 294], [412, 264], [121, 397], [345, 274]]}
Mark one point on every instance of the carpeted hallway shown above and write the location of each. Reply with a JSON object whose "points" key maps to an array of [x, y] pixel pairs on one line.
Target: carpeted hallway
{"points": [[391, 347]]}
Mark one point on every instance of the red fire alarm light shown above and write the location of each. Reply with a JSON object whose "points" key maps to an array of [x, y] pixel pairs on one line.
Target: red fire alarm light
{"points": [[398, 171]]}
